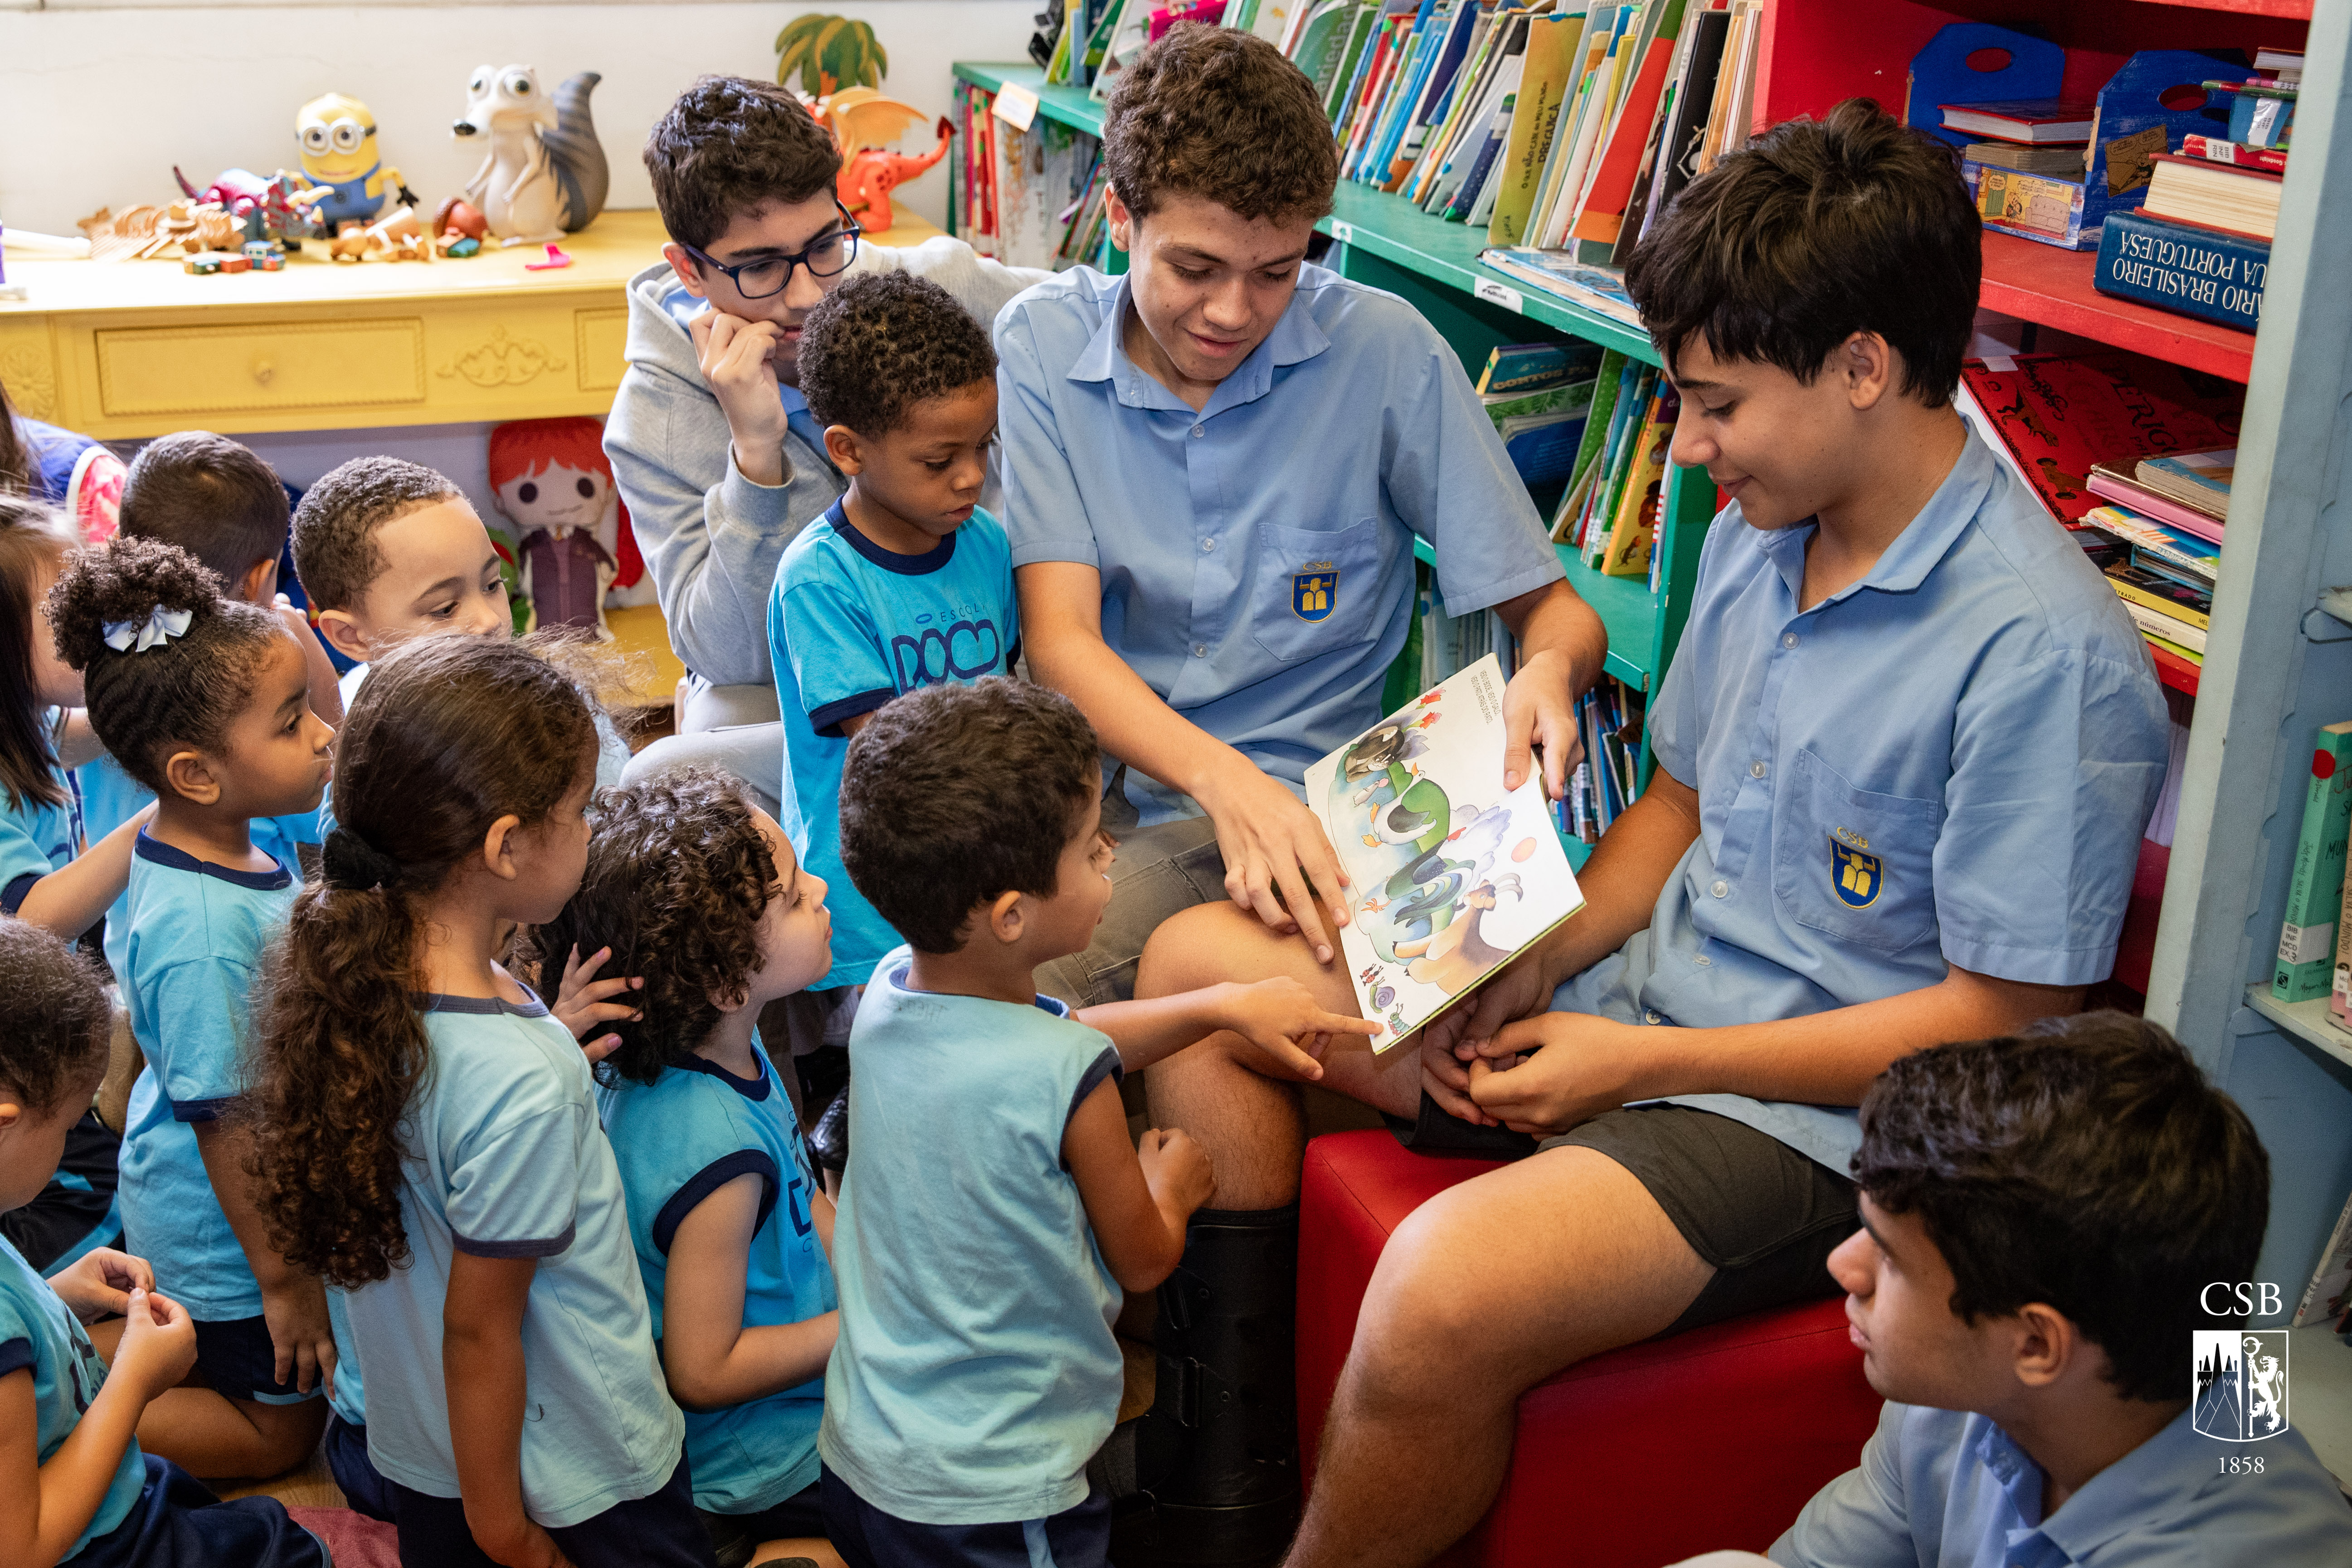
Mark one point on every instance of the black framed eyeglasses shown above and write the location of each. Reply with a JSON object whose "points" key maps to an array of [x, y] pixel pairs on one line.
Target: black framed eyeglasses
{"points": [[770, 274]]}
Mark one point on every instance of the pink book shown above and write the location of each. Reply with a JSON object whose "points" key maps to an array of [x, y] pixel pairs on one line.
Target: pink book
{"points": [[2153, 504]]}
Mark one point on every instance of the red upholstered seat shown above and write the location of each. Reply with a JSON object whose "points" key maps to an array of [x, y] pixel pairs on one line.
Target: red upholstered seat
{"points": [[1647, 1455]]}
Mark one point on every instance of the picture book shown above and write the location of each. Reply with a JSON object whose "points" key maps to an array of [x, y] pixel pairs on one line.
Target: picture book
{"points": [[2032, 121], [2060, 415], [2328, 1297], [2169, 552], [2116, 483], [1450, 874], [2200, 479]]}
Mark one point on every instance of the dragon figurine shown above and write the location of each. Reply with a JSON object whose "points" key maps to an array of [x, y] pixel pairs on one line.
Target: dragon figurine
{"points": [[866, 126]]}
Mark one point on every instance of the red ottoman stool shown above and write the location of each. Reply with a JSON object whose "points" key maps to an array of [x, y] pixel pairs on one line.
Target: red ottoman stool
{"points": [[1641, 1457]]}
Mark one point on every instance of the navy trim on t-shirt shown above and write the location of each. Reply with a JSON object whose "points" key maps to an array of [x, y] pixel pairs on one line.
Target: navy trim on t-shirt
{"points": [[708, 1180], [201, 1110], [1106, 1065], [749, 1087], [157, 852], [922, 566], [435, 1002], [547, 1248], [13, 896], [828, 719], [15, 1355]]}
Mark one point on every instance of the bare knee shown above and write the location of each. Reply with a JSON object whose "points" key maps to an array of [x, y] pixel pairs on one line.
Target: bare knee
{"points": [[286, 1434], [1207, 944]]}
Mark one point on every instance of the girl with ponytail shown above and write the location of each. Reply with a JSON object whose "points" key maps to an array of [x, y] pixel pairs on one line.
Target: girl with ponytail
{"points": [[428, 1135], [206, 703]]}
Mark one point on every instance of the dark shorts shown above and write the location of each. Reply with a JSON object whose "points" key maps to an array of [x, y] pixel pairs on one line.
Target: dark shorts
{"points": [[1765, 1218], [867, 1537], [734, 1537], [356, 1477], [236, 1358], [75, 1211], [657, 1530], [179, 1523]]}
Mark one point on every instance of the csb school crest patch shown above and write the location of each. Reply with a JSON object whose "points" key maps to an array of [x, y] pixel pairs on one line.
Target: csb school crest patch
{"points": [[2240, 1382], [1856, 874], [1313, 590]]}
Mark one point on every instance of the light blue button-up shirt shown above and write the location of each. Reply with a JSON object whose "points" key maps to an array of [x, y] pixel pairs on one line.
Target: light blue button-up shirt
{"points": [[1949, 762], [1257, 556], [1944, 1488]]}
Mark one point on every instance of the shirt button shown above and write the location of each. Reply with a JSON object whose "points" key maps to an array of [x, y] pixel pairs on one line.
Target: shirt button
{"points": [[1208, 544], [1650, 1016], [1199, 650], [1721, 890], [1756, 770], [1788, 639], [1199, 429], [1703, 961]]}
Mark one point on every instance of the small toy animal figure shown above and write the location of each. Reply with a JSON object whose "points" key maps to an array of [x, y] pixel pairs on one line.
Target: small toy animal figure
{"points": [[866, 181], [545, 175], [339, 153]]}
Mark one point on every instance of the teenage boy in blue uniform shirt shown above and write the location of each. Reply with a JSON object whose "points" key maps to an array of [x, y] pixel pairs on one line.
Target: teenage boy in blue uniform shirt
{"points": [[1215, 468], [1905, 754]]}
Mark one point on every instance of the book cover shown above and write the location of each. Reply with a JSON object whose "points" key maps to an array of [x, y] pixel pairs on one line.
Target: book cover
{"points": [[2201, 479], [2221, 150], [2061, 414], [2306, 952], [2182, 268], [1544, 83], [2032, 119], [1604, 209], [2108, 484], [1702, 67], [2167, 551], [2162, 593], [2329, 1294], [1606, 382], [2167, 627], [1523, 367], [1596, 288], [1633, 531], [1451, 874]]}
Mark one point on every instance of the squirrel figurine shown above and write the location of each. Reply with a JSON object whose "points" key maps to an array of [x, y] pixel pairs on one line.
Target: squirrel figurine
{"points": [[544, 175]]}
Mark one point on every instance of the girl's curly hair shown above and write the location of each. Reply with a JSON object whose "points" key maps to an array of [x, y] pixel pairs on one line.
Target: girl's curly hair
{"points": [[449, 734], [147, 703], [59, 1018], [677, 877]]}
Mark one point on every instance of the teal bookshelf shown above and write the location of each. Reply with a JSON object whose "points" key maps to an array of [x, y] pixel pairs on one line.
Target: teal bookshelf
{"points": [[1389, 243]]}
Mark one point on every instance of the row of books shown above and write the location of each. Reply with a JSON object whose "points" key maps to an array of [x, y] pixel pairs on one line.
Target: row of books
{"points": [[1609, 512], [1559, 127], [1609, 779], [1539, 395], [2134, 455], [1033, 197], [2314, 960]]}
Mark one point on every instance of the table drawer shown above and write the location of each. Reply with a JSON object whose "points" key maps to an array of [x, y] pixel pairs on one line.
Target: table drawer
{"points": [[260, 365], [602, 336]]}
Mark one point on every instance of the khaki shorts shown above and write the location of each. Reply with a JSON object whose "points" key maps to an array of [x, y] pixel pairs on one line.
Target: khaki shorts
{"points": [[1157, 872]]}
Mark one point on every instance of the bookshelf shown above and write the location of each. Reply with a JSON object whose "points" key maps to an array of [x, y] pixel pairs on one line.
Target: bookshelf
{"points": [[1389, 243]]}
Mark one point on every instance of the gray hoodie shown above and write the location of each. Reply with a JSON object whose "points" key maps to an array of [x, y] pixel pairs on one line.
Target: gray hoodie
{"points": [[711, 537]]}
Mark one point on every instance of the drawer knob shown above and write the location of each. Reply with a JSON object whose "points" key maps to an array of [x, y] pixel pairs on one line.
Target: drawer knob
{"points": [[263, 369]]}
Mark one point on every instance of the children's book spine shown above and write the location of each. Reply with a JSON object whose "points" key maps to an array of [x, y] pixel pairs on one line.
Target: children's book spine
{"points": [[2339, 996], [1612, 185], [2192, 271], [2220, 150], [2307, 956], [1633, 533]]}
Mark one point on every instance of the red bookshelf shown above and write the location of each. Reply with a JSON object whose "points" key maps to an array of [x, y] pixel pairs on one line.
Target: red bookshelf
{"points": [[2043, 283]]}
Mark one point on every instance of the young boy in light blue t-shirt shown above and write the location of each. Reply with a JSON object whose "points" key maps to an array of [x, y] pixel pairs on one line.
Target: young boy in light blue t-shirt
{"points": [[993, 1208], [905, 582]]}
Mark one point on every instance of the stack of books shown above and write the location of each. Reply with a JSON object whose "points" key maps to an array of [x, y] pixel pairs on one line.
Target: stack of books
{"points": [[2199, 243], [1561, 127], [1538, 395], [1609, 513], [2176, 505]]}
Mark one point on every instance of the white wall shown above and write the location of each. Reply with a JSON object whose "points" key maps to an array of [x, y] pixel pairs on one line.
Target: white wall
{"points": [[95, 105]]}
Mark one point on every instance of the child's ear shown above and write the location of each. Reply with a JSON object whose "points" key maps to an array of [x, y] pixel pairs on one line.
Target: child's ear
{"points": [[343, 635], [259, 582], [1007, 917], [1865, 364], [847, 450], [689, 273], [2046, 1345], [499, 847], [192, 777]]}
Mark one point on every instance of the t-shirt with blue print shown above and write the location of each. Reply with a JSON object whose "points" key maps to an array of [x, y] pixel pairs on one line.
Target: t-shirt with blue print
{"points": [[679, 1139], [38, 1335], [36, 837], [508, 1161], [851, 625], [197, 932]]}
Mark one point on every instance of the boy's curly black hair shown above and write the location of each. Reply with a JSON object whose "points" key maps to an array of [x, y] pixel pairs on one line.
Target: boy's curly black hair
{"points": [[954, 794], [334, 528], [678, 875], [182, 694], [879, 344], [1817, 230], [1210, 112], [58, 1020], [2086, 1165], [729, 146]]}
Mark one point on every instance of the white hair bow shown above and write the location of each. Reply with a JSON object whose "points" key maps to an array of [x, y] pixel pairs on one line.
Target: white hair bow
{"points": [[159, 627]]}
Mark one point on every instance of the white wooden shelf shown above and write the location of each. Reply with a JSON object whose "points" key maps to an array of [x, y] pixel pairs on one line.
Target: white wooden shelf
{"points": [[2306, 1021]]}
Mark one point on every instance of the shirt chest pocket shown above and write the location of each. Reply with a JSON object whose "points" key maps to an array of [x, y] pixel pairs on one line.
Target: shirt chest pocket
{"points": [[1851, 862], [1314, 591]]}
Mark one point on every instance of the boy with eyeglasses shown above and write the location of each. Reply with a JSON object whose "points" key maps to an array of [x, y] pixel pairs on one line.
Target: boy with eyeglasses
{"points": [[713, 446]]}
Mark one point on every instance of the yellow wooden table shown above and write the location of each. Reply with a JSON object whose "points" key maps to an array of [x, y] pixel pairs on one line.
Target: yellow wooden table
{"points": [[138, 348]]}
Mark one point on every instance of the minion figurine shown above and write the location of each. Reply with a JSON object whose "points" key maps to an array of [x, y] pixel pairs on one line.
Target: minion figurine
{"points": [[339, 156]]}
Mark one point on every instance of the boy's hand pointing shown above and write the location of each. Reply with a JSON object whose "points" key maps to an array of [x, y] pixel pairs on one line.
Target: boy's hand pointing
{"points": [[1282, 1018]]}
